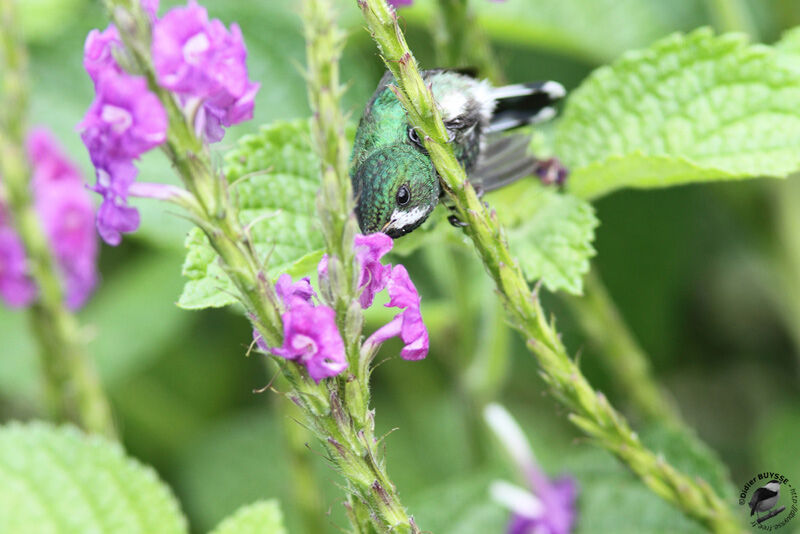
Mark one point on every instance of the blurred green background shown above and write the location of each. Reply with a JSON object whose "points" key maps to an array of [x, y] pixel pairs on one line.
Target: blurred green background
{"points": [[708, 278]]}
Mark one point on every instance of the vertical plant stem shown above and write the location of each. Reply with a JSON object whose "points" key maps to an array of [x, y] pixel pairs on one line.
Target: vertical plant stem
{"points": [[590, 410], [337, 409], [732, 16], [601, 321], [72, 387], [363, 462]]}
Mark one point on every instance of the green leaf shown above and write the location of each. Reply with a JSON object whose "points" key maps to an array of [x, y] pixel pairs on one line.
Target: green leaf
{"points": [[60, 480], [550, 233], [263, 517], [691, 108], [275, 175]]}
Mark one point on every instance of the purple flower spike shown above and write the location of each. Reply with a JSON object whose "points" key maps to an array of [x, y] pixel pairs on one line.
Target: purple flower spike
{"points": [[16, 288], [369, 250], [199, 58], [546, 506], [311, 338], [400, 3], [66, 213], [407, 324]]}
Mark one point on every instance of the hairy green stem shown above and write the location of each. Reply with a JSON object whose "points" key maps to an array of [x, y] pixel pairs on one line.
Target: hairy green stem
{"points": [[73, 390], [591, 411], [601, 321], [351, 442]]}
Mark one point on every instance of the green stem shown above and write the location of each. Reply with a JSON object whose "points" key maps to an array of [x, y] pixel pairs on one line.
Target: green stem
{"points": [[351, 439], [601, 321], [73, 390], [591, 411], [732, 16]]}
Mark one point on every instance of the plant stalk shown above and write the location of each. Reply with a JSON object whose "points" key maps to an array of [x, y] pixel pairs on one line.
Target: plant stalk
{"points": [[591, 411], [373, 502], [73, 390]]}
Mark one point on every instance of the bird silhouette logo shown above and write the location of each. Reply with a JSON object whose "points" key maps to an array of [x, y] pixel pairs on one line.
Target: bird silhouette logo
{"points": [[766, 498]]}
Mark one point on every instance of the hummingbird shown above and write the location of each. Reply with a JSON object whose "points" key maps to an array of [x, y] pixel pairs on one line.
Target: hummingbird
{"points": [[394, 181]]}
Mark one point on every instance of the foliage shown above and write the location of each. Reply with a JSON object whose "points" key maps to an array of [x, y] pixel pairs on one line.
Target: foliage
{"points": [[275, 178], [58, 480], [691, 270], [260, 518], [691, 108]]}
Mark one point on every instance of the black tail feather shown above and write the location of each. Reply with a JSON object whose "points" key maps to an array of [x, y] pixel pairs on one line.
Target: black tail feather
{"points": [[524, 103]]}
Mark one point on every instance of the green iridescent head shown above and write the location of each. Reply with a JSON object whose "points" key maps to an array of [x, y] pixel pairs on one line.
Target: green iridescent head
{"points": [[394, 182], [396, 188]]}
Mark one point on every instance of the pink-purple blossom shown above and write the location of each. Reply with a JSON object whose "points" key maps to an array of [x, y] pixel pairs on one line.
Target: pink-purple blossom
{"points": [[124, 121], [16, 287], [98, 57], [310, 335], [545, 506], [200, 59], [66, 214], [369, 249], [312, 339], [288, 291], [407, 324]]}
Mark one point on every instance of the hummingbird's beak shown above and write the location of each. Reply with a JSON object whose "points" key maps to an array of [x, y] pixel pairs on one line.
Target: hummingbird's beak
{"points": [[385, 226]]}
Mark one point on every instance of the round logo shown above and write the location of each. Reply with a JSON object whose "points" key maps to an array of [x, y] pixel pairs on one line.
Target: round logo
{"points": [[769, 500]]}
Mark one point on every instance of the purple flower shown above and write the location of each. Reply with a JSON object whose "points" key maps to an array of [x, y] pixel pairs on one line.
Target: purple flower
{"points": [[151, 8], [546, 506], [200, 59], [98, 59], [369, 250], [67, 218], [16, 287], [66, 213], [288, 291], [311, 338], [124, 121], [407, 324]]}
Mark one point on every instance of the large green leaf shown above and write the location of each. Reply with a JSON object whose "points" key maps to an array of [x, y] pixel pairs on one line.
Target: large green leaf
{"points": [[690, 108], [263, 517], [550, 233], [275, 175], [55, 480]]}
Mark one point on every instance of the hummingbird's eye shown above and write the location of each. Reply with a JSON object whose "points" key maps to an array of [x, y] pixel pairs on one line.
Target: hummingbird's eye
{"points": [[403, 196], [412, 134]]}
